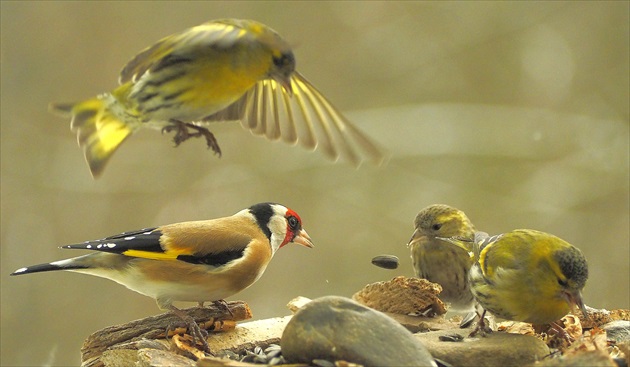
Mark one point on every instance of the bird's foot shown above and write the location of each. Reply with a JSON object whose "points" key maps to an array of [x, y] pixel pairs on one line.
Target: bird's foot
{"points": [[199, 335], [185, 131], [558, 330], [482, 327], [221, 304]]}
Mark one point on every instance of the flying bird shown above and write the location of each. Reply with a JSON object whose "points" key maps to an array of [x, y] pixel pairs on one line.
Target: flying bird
{"points": [[222, 70]]}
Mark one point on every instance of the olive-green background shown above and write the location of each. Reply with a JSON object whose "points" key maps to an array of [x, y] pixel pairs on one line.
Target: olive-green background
{"points": [[515, 112]]}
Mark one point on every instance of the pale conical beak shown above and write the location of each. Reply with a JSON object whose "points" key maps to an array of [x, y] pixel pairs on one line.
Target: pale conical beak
{"points": [[413, 238], [285, 83], [288, 89], [576, 299], [303, 239]]}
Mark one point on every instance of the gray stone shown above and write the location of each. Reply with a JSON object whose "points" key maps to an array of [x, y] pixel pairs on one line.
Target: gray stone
{"points": [[337, 328], [593, 358], [496, 349], [619, 331]]}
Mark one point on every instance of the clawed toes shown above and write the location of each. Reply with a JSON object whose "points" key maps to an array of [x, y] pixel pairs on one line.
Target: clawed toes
{"points": [[185, 132]]}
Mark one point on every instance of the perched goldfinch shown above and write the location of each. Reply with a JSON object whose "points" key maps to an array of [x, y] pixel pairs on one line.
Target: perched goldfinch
{"points": [[526, 275], [229, 69], [441, 262], [196, 261]]}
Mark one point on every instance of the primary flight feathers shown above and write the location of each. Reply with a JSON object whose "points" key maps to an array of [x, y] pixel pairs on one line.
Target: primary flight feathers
{"points": [[222, 70]]}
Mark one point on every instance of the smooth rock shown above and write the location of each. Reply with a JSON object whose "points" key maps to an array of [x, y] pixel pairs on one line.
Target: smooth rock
{"points": [[496, 349], [337, 328], [594, 358]]}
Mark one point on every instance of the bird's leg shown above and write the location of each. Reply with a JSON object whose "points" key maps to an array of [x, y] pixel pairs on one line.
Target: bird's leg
{"points": [[197, 333], [561, 332], [221, 304], [481, 326], [468, 319], [183, 133]]}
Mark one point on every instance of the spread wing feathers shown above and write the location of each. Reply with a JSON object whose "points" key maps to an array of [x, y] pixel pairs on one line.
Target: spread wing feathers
{"points": [[307, 118], [175, 48]]}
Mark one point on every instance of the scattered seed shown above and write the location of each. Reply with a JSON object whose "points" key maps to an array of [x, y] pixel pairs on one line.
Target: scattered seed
{"points": [[442, 363], [273, 347], [451, 338], [386, 261], [323, 363], [468, 320], [274, 353]]}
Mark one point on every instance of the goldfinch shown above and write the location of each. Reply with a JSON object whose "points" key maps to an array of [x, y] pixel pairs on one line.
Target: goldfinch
{"points": [[196, 261], [526, 275], [228, 69], [440, 262]]}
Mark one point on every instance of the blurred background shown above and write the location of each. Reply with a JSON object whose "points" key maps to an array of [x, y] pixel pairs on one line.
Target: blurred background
{"points": [[515, 112]]}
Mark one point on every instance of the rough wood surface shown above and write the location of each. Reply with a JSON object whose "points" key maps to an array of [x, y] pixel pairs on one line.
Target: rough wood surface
{"points": [[246, 336], [133, 334], [403, 295], [180, 353]]}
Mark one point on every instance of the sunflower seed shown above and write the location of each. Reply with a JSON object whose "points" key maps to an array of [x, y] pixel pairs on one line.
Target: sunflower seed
{"points": [[385, 261]]}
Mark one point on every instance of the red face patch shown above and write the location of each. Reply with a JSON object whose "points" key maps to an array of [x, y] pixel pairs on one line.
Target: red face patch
{"points": [[294, 224]]}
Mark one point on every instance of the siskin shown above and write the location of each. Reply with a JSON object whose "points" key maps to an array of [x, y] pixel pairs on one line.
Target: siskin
{"points": [[439, 262], [223, 70], [526, 275]]}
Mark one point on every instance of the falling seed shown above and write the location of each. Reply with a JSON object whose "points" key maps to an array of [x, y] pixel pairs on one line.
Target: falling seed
{"points": [[386, 261]]}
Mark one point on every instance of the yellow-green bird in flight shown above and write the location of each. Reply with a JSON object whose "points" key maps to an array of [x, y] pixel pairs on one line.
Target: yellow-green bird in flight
{"points": [[223, 70]]}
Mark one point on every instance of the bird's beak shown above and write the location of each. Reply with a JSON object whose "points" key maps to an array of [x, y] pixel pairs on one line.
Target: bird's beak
{"points": [[286, 85], [303, 239], [575, 298], [413, 238]]}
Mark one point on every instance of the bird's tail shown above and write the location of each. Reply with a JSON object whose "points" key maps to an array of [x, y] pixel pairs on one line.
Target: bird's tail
{"points": [[68, 264], [99, 131]]}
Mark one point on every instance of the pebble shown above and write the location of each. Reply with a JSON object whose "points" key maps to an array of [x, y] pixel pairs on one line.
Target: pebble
{"points": [[335, 328], [496, 349], [619, 331]]}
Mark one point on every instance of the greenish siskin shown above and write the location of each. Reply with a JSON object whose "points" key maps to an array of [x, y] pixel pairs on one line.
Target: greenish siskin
{"points": [[439, 262], [526, 275]]}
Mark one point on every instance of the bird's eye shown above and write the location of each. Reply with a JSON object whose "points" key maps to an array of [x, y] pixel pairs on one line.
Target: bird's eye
{"points": [[294, 223], [436, 226], [563, 283]]}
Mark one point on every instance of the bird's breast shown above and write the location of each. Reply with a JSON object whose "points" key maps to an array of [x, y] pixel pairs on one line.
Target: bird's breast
{"points": [[197, 89]]}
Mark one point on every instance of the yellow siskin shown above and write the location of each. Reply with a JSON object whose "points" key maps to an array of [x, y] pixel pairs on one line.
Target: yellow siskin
{"points": [[223, 70], [440, 262], [526, 275]]}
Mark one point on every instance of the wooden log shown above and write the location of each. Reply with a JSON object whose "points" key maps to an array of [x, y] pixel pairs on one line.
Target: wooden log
{"points": [[148, 329]]}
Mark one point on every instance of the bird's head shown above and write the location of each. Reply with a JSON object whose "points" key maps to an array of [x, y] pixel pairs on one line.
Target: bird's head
{"points": [[442, 221], [281, 225]]}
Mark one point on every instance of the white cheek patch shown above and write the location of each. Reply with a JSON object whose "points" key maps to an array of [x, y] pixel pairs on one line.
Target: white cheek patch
{"points": [[278, 228]]}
